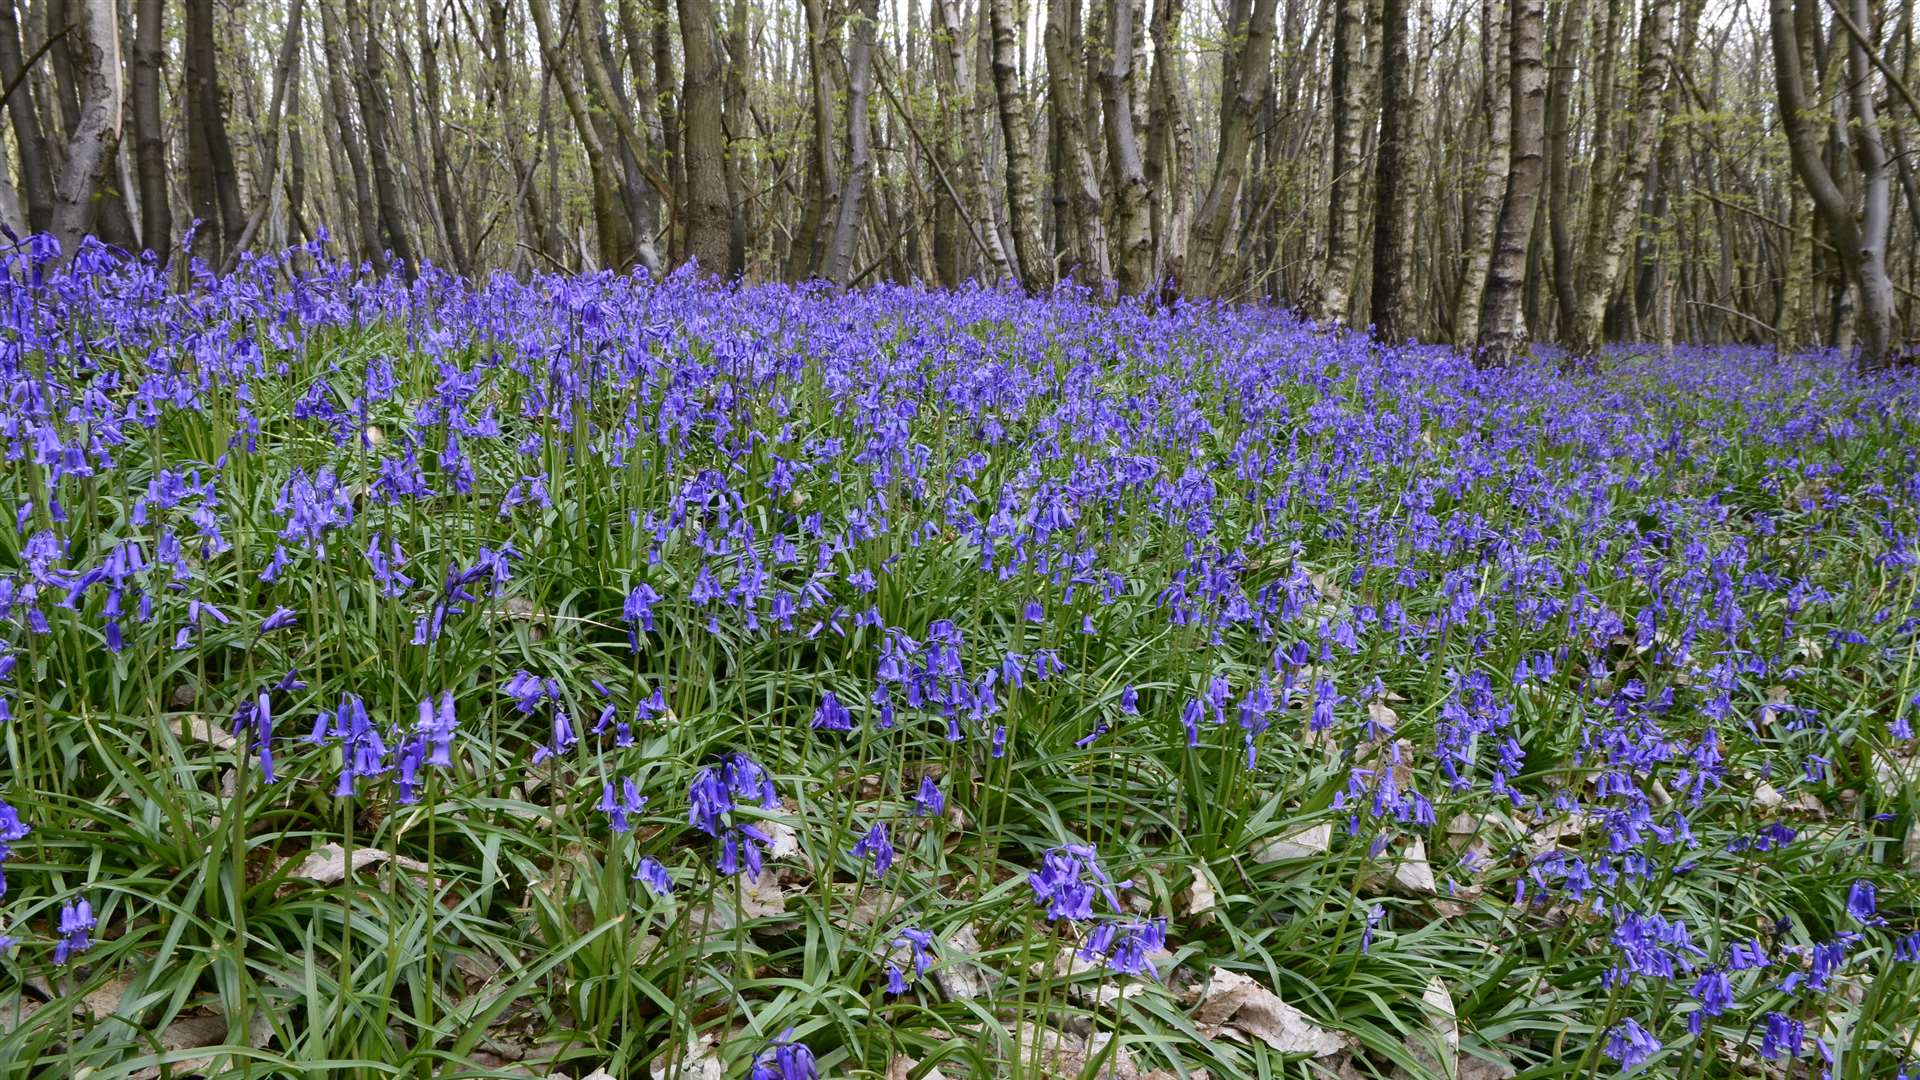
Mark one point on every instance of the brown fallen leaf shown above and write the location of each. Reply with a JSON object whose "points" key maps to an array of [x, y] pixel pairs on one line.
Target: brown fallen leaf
{"points": [[1299, 844], [1235, 1006], [327, 864]]}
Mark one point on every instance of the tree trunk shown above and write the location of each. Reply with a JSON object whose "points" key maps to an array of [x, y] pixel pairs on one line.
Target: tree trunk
{"points": [[823, 171], [1036, 270], [853, 191], [1393, 306], [1568, 45], [149, 131], [283, 74], [1861, 247], [1239, 103], [958, 101], [1082, 233], [1606, 244], [1349, 126], [342, 103], [97, 136], [1503, 325], [612, 229], [377, 114], [437, 139], [1132, 220], [1484, 210], [708, 213], [1173, 178], [36, 171]]}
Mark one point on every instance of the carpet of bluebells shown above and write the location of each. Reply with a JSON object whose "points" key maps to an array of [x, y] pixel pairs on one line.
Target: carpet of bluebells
{"points": [[603, 676]]}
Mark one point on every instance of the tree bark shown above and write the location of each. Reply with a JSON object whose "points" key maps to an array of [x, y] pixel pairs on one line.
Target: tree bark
{"points": [[376, 114], [1861, 247], [97, 135], [1172, 175], [851, 203], [708, 213], [283, 74], [1616, 217], [823, 177], [149, 131], [448, 209], [958, 95], [612, 229], [1036, 270], [1083, 234], [1240, 101], [1484, 210], [1132, 217], [36, 170], [349, 141], [1568, 45], [1349, 127], [1392, 304], [1503, 325]]}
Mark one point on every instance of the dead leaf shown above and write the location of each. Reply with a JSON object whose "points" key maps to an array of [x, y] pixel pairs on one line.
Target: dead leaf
{"points": [[699, 1061], [1299, 844], [327, 864], [962, 979], [1062, 1054], [1382, 714], [198, 729], [1438, 1048], [1412, 872], [1199, 900], [902, 1066], [1237, 1007]]}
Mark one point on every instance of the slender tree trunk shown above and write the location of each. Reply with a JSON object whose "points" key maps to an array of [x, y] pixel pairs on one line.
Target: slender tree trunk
{"points": [[612, 229], [1082, 233], [1503, 326], [36, 171], [1132, 220], [1349, 126], [708, 213], [823, 171], [284, 72], [149, 131], [97, 136], [852, 201], [1484, 210], [1241, 97], [1393, 307], [975, 180], [1568, 46], [1860, 248], [1606, 245], [377, 114], [1173, 179], [427, 40], [349, 141], [1036, 270]]}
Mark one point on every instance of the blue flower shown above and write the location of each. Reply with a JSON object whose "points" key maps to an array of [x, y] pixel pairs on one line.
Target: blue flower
{"points": [[1861, 903], [76, 927], [784, 1060], [928, 801], [875, 845], [1630, 1045], [654, 876]]}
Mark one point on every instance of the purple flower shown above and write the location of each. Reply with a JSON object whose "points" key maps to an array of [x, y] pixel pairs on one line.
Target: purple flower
{"points": [[831, 715], [76, 927], [1783, 1037], [1861, 903], [1631, 1045], [928, 801], [619, 809], [281, 617], [875, 846], [784, 1060], [654, 876]]}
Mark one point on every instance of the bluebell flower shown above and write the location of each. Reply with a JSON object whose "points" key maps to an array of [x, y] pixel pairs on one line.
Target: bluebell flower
{"points": [[1782, 1037], [619, 809], [76, 928], [654, 876], [784, 1060], [1714, 992], [928, 801], [1631, 1045], [831, 715], [1861, 903], [875, 846]]}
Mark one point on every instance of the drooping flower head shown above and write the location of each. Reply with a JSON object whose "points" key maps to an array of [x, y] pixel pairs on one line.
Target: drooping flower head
{"points": [[784, 1060], [76, 929]]}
